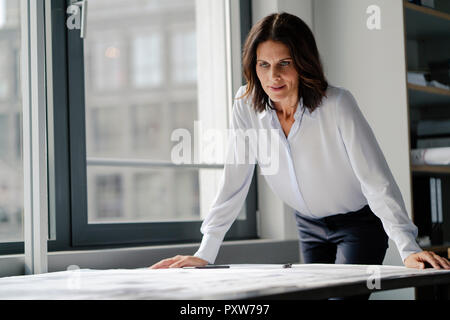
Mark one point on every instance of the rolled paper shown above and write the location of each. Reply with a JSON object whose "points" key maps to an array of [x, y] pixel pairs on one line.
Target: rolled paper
{"points": [[432, 156]]}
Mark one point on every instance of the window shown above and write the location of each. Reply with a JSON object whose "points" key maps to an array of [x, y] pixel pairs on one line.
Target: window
{"points": [[107, 131], [147, 132], [108, 193], [116, 98], [183, 56], [147, 60], [11, 170]]}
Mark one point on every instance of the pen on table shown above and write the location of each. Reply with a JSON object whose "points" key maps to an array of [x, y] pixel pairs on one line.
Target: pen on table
{"points": [[208, 266]]}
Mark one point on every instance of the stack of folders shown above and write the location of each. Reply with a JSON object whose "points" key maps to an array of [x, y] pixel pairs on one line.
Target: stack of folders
{"points": [[421, 79], [433, 142], [440, 209], [418, 78], [433, 133]]}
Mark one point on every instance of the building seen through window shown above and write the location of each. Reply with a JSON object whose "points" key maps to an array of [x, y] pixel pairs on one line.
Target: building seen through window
{"points": [[11, 165]]}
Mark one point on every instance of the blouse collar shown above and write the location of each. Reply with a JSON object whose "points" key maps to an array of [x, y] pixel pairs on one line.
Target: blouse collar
{"points": [[270, 110]]}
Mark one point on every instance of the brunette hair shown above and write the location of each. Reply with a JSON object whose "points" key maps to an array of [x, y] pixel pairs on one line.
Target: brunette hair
{"points": [[297, 36]]}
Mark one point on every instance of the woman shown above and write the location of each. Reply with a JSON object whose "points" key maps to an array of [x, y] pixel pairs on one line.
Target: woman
{"points": [[332, 170]]}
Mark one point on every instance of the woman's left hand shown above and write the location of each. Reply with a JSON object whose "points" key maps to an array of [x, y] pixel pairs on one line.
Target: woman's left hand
{"points": [[418, 260]]}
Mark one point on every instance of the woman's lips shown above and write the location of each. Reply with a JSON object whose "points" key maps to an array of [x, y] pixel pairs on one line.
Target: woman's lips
{"points": [[277, 88]]}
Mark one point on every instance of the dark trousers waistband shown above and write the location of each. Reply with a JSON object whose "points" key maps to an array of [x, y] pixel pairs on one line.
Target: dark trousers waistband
{"points": [[363, 215], [364, 211]]}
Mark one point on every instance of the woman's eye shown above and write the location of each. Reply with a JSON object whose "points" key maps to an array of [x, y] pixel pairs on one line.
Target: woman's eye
{"points": [[282, 64]]}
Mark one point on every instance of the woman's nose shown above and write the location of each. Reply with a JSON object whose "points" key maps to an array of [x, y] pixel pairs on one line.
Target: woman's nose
{"points": [[275, 74]]}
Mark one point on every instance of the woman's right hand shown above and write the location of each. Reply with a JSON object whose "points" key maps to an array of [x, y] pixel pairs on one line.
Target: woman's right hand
{"points": [[179, 261]]}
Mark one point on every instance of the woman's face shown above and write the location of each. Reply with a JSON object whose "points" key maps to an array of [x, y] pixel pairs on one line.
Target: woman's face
{"points": [[276, 72]]}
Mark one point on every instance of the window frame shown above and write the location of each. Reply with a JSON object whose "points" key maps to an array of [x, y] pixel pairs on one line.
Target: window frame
{"points": [[33, 137], [102, 235]]}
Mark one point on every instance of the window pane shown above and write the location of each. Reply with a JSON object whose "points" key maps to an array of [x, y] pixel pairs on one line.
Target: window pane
{"points": [[184, 56], [140, 84], [126, 194], [147, 60], [107, 63], [11, 172], [121, 194]]}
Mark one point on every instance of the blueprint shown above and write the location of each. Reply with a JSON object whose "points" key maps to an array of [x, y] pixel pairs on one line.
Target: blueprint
{"points": [[165, 284]]}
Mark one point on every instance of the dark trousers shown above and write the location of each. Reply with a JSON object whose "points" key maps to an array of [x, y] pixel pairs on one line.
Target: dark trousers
{"points": [[351, 238]]}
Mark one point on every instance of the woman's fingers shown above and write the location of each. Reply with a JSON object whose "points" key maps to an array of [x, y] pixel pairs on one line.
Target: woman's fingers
{"points": [[444, 263], [418, 260], [164, 263], [431, 260], [436, 261], [447, 262], [160, 264], [188, 261], [179, 262]]}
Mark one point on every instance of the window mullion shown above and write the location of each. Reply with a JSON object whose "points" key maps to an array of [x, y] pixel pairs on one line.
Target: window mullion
{"points": [[34, 137]]}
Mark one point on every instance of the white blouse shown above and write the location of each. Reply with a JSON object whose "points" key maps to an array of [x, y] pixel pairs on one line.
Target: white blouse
{"points": [[329, 164]]}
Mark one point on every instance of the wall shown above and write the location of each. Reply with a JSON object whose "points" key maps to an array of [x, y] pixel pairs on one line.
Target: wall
{"points": [[356, 58]]}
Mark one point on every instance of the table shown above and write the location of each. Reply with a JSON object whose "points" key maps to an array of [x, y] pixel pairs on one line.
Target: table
{"points": [[302, 281]]}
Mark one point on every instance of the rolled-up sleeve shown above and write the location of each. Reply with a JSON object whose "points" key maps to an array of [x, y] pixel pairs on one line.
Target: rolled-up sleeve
{"points": [[371, 169], [233, 188]]}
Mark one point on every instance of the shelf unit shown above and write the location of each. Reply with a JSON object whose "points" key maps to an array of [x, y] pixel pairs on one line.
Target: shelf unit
{"points": [[420, 95], [431, 169], [427, 33], [429, 22]]}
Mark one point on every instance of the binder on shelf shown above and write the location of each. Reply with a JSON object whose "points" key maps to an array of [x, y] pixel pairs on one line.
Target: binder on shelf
{"points": [[436, 235], [423, 143], [439, 200], [439, 223], [444, 200], [433, 128], [431, 202]]}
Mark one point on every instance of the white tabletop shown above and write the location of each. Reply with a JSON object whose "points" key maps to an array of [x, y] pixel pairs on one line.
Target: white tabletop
{"points": [[236, 282]]}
